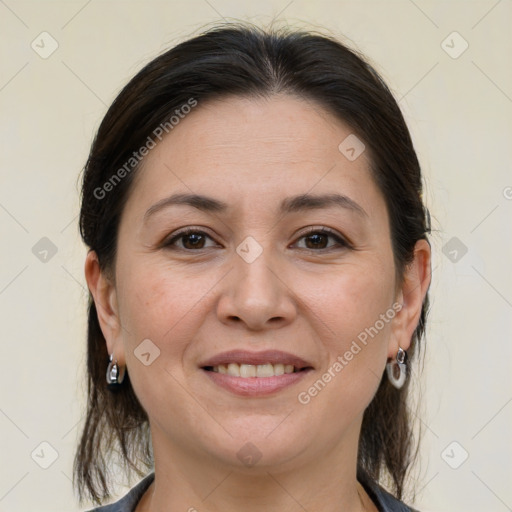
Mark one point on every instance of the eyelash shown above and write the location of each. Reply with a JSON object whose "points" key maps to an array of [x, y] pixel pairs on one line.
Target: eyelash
{"points": [[340, 241]]}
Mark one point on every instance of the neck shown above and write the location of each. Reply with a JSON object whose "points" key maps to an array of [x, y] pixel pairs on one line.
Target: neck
{"points": [[185, 481]]}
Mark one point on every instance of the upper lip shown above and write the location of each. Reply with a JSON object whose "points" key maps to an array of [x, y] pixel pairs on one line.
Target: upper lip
{"points": [[255, 358]]}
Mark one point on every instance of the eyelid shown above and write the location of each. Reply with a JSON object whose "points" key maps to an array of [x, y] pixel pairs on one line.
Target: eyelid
{"points": [[341, 240], [170, 241]]}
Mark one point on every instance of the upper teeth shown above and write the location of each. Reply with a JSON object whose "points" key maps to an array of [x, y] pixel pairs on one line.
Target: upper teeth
{"points": [[254, 370]]}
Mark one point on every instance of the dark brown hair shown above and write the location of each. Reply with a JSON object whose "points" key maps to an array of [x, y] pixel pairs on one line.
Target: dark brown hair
{"points": [[243, 60]]}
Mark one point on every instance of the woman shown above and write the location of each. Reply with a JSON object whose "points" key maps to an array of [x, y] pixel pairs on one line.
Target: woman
{"points": [[258, 269]]}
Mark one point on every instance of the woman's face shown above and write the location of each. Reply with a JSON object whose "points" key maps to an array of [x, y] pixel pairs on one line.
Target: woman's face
{"points": [[286, 259]]}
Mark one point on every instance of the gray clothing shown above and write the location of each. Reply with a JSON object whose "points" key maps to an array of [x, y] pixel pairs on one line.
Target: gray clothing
{"points": [[384, 501]]}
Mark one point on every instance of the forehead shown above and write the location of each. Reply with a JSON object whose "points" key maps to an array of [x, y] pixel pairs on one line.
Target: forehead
{"points": [[244, 148], [282, 125]]}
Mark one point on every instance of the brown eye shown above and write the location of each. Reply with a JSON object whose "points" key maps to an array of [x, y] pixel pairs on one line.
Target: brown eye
{"points": [[322, 239], [189, 240], [193, 241], [316, 241]]}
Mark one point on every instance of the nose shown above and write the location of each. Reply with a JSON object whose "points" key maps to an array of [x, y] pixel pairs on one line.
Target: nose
{"points": [[256, 295]]}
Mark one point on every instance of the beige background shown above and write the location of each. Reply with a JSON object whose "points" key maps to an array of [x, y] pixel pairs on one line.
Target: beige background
{"points": [[459, 111]]}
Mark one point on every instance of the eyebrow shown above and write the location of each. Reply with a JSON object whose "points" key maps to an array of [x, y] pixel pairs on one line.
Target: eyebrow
{"points": [[292, 204]]}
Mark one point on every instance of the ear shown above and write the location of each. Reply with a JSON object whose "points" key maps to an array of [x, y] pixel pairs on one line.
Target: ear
{"points": [[410, 294], [105, 299]]}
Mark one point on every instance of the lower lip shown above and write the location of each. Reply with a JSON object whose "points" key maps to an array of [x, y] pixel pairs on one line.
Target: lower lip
{"points": [[256, 386]]}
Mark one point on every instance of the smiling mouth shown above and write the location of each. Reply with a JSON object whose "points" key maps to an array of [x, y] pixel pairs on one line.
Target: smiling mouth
{"points": [[254, 370]]}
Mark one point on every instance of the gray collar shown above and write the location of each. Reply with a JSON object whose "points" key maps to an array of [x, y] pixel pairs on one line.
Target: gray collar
{"points": [[384, 501]]}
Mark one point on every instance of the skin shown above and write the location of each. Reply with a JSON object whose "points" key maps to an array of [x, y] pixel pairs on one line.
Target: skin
{"points": [[306, 299]]}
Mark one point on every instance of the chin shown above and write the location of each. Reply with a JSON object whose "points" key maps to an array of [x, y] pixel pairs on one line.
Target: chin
{"points": [[261, 442]]}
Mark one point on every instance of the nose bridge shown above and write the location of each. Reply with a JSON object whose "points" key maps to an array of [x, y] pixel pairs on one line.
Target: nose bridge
{"points": [[255, 277], [256, 294]]}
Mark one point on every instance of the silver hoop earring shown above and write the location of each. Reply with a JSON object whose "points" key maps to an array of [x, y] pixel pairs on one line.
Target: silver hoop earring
{"points": [[115, 374], [397, 370]]}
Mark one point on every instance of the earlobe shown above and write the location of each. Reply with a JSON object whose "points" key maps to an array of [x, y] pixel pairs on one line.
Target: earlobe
{"points": [[104, 295], [412, 292]]}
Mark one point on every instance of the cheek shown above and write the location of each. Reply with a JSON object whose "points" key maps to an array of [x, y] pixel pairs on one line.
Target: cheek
{"points": [[164, 306], [339, 305], [356, 311], [350, 300], [340, 309], [168, 308]]}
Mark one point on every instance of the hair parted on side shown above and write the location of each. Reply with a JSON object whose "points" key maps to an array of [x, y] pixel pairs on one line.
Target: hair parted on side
{"points": [[239, 59]]}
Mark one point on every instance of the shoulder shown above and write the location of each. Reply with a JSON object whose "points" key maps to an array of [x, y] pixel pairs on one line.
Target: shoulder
{"points": [[384, 501], [128, 502]]}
